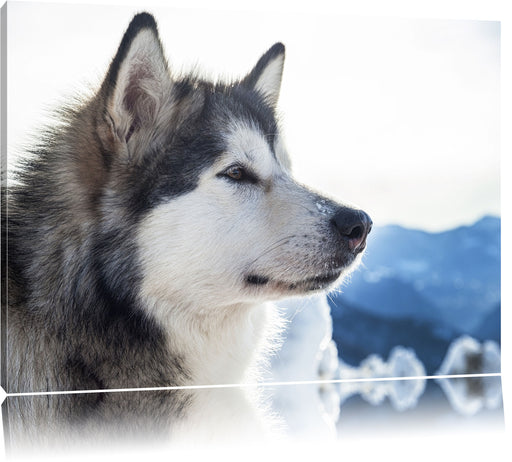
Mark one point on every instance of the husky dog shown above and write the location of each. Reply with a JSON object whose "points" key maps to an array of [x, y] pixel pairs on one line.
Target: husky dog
{"points": [[147, 233]]}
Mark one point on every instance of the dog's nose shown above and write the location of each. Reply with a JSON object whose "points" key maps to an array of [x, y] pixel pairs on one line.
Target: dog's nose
{"points": [[353, 226]]}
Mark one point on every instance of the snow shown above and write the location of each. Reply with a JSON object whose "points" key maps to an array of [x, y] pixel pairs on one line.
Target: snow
{"points": [[468, 356], [402, 393], [322, 207]]}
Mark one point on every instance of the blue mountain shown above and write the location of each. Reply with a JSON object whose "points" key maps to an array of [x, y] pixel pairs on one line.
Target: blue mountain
{"points": [[418, 285]]}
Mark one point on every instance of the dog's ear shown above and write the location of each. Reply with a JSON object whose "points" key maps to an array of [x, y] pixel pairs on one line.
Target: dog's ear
{"points": [[266, 76], [137, 83]]}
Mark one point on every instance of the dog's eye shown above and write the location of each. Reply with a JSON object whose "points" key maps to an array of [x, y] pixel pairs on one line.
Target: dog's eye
{"points": [[239, 175], [235, 173]]}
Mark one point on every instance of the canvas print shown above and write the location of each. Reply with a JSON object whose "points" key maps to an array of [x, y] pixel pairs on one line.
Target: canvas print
{"points": [[246, 204], [260, 227]]}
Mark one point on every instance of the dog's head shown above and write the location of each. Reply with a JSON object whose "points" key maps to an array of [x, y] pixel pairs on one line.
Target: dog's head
{"points": [[203, 171]]}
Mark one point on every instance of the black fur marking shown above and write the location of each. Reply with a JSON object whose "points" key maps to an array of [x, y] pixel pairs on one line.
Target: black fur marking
{"points": [[250, 106], [82, 374], [256, 280]]}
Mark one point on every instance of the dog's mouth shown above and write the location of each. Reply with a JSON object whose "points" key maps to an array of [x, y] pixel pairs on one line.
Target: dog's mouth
{"points": [[317, 282]]}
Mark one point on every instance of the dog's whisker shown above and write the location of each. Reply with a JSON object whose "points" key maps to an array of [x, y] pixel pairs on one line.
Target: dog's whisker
{"points": [[272, 247]]}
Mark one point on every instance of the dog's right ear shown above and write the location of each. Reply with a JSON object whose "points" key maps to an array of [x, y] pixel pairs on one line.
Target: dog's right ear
{"points": [[135, 88]]}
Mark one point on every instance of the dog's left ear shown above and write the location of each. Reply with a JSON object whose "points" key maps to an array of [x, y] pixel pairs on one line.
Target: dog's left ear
{"points": [[136, 86], [266, 76]]}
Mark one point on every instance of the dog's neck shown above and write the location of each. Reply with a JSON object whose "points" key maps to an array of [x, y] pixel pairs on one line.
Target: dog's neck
{"points": [[226, 345]]}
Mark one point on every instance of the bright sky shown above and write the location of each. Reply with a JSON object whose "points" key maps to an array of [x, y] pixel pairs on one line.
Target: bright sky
{"points": [[398, 116]]}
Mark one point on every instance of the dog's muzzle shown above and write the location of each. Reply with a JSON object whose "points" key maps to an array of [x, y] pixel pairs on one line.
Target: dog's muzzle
{"points": [[353, 226]]}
